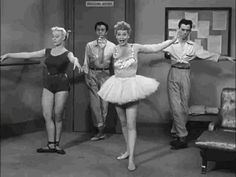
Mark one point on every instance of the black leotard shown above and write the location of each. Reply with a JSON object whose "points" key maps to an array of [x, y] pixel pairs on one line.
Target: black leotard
{"points": [[55, 79]]}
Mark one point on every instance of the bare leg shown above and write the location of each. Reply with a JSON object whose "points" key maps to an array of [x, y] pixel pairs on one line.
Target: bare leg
{"points": [[121, 114], [47, 107], [131, 113], [60, 101]]}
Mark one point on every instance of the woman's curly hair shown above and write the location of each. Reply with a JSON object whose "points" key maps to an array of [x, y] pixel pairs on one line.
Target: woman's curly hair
{"points": [[122, 25]]}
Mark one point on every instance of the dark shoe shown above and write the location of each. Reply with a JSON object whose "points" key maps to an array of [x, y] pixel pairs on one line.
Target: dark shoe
{"points": [[174, 141], [98, 137], [180, 144], [175, 138], [174, 135], [47, 149], [58, 149]]}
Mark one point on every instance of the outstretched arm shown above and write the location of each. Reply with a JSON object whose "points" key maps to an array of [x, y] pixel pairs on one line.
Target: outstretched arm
{"points": [[154, 48], [26, 55], [224, 58], [75, 61], [206, 55]]}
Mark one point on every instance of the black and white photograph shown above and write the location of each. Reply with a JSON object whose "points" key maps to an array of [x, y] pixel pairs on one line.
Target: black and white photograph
{"points": [[118, 88]]}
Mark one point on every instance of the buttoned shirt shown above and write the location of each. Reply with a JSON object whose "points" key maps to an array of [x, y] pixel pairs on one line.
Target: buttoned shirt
{"points": [[185, 52], [91, 59]]}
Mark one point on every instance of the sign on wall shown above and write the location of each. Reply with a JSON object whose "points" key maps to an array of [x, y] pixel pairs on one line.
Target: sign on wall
{"points": [[99, 3]]}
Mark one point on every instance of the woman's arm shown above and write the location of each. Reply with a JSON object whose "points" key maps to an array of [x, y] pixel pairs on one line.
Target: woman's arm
{"points": [[74, 60], [25, 55], [154, 48], [85, 65]]}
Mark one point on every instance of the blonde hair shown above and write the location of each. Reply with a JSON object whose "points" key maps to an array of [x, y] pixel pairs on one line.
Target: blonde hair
{"points": [[122, 25], [64, 32]]}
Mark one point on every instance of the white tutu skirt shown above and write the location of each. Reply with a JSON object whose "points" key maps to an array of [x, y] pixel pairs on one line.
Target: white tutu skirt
{"points": [[128, 89]]}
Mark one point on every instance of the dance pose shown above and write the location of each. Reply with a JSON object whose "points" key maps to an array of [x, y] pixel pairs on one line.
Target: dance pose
{"points": [[181, 52], [125, 88], [55, 86], [98, 55]]}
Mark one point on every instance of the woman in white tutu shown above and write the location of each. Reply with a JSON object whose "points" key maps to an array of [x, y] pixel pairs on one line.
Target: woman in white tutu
{"points": [[125, 88]]}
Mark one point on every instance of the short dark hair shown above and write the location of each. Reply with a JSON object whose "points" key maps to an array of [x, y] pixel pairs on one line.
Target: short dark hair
{"points": [[101, 23], [185, 22]]}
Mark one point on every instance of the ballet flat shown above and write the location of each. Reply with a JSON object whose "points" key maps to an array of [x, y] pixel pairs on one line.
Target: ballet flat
{"points": [[122, 157]]}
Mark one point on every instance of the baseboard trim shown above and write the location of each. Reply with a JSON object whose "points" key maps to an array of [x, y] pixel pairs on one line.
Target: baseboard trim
{"points": [[10, 130]]}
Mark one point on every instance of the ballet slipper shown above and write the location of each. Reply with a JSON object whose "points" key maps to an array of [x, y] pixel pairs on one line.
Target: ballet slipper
{"points": [[58, 149], [131, 166], [48, 148], [123, 156]]}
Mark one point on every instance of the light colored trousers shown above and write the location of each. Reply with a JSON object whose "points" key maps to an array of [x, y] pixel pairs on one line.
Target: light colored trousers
{"points": [[179, 93], [94, 79]]}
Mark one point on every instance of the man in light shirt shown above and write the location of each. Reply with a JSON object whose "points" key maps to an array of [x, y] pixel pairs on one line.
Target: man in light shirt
{"points": [[181, 52], [98, 56]]}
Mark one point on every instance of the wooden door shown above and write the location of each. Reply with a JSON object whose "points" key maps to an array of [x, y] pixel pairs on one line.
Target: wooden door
{"points": [[81, 18]]}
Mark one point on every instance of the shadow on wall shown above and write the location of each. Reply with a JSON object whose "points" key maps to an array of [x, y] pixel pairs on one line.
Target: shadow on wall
{"points": [[21, 89], [155, 108], [208, 79]]}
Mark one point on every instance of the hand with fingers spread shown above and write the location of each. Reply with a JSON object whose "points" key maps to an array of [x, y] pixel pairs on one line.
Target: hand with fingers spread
{"points": [[101, 42], [226, 58], [127, 63], [231, 59], [177, 35], [4, 57], [118, 64], [76, 64], [85, 69]]}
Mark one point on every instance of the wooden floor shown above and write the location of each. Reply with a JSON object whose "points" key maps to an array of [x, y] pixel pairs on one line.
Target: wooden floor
{"points": [[98, 159]]}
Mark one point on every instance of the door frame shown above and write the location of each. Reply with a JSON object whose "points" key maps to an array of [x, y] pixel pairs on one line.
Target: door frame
{"points": [[69, 18]]}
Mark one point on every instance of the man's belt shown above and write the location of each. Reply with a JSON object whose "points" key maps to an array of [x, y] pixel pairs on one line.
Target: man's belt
{"points": [[56, 74], [181, 66], [100, 69]]}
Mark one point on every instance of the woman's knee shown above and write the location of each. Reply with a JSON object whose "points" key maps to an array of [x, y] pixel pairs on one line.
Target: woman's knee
{"points": [[58, 120], [58, 116], [47, 115], [131, 126], [123, 123]]}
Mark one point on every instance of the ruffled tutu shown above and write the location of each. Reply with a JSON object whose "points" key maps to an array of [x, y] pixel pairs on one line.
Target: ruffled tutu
{"points": [[123, 90]]}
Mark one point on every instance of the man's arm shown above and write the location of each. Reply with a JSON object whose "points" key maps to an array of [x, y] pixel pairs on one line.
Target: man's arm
{"points": [[204, 54], [85, 65], [226, 58], [200, 53]]}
